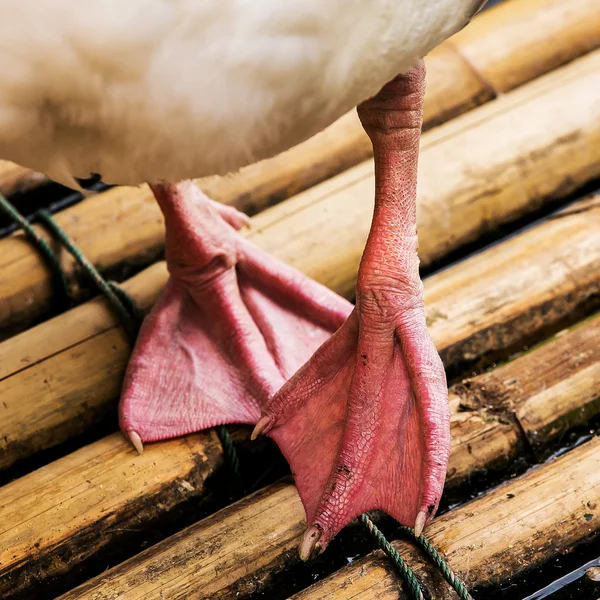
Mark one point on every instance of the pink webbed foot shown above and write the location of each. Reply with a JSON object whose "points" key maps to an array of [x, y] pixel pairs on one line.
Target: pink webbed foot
{"points": [[364, 424], [232, 325]]}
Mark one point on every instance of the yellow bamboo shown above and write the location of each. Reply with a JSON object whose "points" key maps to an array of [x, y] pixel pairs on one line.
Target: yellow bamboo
{"points": [[524, 523], [487, 432], [94, 498], [505, 51]]}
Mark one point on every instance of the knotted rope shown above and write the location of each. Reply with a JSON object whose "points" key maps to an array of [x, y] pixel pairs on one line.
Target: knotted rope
{"points": [[130, 316], [411, 581], [122, 304]]}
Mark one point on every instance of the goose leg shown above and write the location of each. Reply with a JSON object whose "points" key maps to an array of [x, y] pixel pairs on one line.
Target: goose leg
{"points": [[228, 330], [365, 423]]}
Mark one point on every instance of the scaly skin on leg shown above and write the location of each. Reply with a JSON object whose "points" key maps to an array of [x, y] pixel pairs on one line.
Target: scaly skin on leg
{"points": [[230, 327], [365, 423]]}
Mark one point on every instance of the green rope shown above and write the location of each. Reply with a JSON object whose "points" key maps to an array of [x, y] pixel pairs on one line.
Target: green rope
{"points": [[405, 571], [130, 316], [58, 275], [449, 575], [122, 304], [230, 450], [407, 574]]}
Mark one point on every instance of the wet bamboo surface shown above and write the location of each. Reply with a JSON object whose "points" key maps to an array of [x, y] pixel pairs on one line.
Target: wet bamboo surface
{"points": [[219, 557], [487, 412], [124, 225]]}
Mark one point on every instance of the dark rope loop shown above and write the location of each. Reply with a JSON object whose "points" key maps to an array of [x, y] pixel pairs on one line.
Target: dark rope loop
{"points": [[120, 301], [60, 281], [449, 575], [231, 452], [403, 569], [122, 304], [130, 304]]}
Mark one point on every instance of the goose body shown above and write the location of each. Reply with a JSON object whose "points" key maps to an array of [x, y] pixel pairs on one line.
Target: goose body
{"points": [[161, 91], [149, 90]]}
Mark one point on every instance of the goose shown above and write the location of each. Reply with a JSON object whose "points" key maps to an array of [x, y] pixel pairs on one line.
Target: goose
{"points": [[164, 91]]}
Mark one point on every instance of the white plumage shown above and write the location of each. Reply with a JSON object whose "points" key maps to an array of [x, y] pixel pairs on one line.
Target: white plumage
{"points": [[148, 90]]}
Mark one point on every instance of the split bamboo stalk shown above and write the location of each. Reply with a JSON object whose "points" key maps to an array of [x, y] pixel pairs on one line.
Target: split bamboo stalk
{"points": [[125, 225], [64, 375], [14, 178], [486, 433], [237, 552]]}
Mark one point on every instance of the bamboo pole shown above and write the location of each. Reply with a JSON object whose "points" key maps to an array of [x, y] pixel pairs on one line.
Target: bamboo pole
{"points": [[505, 51], [61, 377], [100, 496], [236, 552], [14, 178], [489, 542], [125, 225], [486, 433], [526, 403], [506, 316]]}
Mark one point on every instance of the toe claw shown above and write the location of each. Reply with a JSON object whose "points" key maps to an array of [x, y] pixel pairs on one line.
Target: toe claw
{"points": [[246, 222], [263, 426], [236, 218], [310, 542], [136, 440], [420, 523]]}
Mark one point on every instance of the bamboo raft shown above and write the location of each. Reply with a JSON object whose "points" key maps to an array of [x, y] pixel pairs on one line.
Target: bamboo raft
{"points": [[509, 222]]}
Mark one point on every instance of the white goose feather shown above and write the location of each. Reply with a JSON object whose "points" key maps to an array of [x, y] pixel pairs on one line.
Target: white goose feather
{"points": [[148, 90]]}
